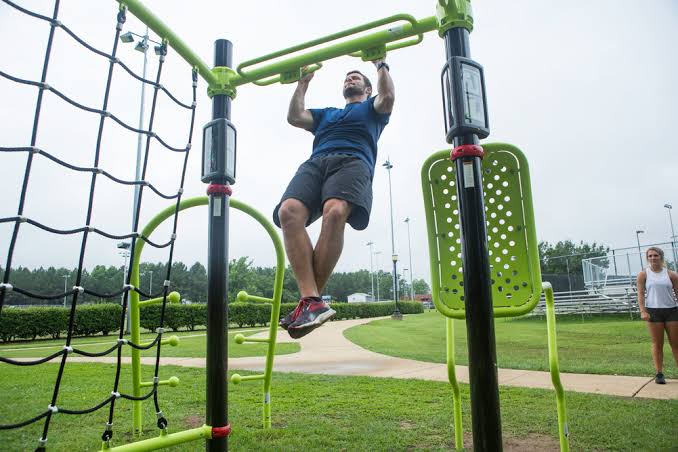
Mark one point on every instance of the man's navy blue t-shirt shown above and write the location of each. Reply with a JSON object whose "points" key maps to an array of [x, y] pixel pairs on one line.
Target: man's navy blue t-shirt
{"points": [[354, 129]]}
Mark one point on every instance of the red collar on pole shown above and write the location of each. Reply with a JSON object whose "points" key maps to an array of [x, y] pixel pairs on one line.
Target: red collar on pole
{"points": [[467, 150], [221, 432], [219, 189]]}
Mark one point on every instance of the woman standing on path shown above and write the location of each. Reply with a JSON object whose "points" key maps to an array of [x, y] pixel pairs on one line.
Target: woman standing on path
{"points": [[657, 295]]}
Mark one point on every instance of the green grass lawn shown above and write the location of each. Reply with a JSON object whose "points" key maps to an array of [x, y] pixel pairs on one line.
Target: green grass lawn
{"points": [[596, 345], [191, 344], [319, 413]]}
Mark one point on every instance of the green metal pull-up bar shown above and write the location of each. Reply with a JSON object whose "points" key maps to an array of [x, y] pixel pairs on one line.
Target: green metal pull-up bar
{"points": [[222, 80]]}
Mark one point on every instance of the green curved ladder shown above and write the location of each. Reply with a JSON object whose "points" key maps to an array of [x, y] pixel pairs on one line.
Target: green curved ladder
{"points": [[166, 440], [513, 253]]}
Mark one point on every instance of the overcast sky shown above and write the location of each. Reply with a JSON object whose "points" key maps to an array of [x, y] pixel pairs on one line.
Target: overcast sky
{"points": [[587, 89]]}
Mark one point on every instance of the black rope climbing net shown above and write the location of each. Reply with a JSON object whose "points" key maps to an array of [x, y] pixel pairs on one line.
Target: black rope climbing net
{"points": [[20, 221]]}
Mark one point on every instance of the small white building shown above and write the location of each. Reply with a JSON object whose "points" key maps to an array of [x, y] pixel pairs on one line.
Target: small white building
{"points": [[360, 297]]}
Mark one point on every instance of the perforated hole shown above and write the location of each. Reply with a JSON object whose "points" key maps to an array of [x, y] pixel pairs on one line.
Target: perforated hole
{"points": [[443, 177]]}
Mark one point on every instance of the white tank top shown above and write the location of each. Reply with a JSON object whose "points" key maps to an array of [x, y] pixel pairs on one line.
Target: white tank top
{"points": [[659, 290]]}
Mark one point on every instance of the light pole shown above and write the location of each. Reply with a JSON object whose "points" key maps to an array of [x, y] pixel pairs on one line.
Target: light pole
{"points": [[66, 276], [409, 249], [141, 46], [405, 270], [150, 285], [376, 257], [124, 252], [370, 244], [669, 207], [640, 253], [394, 257]]}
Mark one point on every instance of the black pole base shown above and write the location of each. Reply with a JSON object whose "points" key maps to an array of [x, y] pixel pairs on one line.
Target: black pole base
{"points": [[397, 315]]}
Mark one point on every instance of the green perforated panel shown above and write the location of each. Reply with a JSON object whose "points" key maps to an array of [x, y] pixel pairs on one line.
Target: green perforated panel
{"points": [[512, 247]]}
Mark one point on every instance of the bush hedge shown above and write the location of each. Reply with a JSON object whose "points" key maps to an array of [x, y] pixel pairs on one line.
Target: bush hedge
{"points": [[31, 323]]}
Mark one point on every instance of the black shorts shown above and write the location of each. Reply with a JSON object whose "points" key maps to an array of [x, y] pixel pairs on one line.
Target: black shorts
{"points": [[338, 176], [663, 315]]}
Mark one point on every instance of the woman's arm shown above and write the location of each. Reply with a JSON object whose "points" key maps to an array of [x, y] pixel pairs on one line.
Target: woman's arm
{"points": [[673, 276], [640, 286]]}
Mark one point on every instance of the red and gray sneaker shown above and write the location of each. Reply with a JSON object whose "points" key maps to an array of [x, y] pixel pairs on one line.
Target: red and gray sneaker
{"points": [[314, 313], [292, 316]]}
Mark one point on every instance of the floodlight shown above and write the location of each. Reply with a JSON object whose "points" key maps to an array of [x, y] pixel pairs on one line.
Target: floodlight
{"points": [[142, 46], [127, 37]]}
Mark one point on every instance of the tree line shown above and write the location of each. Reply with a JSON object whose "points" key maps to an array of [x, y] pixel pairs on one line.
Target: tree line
{"points": [[563, 257], [191, 282]]}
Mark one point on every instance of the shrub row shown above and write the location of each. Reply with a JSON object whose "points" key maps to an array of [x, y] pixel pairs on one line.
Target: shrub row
{"points": [[31, 323]]}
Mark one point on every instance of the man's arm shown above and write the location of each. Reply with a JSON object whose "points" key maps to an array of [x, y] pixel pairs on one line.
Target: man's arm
{"points": [[384, 101], [297, 115]]}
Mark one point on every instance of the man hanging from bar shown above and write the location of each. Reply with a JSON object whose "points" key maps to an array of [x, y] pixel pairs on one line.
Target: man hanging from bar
{"points": [[335, 183]]}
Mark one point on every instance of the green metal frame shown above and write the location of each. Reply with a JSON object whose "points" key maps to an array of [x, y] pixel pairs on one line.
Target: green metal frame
{"points": [[368, 47], [512, 244], [165, 439]]}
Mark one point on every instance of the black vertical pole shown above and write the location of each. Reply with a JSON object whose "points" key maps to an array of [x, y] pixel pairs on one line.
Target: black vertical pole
{"points": [[486, 417], [217, 279]]}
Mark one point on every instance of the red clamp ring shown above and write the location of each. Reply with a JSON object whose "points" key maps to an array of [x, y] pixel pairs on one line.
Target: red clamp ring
{"points": [[221, 432], [467, 150], [219, 189]]}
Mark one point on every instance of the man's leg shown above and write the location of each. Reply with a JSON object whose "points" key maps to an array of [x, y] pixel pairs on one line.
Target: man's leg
{"points": [[331, 240], [293, 215]]}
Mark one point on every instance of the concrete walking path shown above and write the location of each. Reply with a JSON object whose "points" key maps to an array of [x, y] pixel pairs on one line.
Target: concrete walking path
{"points": [[327, 351]]}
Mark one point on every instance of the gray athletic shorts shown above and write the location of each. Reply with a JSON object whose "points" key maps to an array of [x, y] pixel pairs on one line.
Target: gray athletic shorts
{"points": [[338, 176], [663, 315]]}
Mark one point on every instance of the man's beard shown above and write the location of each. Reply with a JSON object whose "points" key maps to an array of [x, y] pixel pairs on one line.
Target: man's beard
{"points": [[353, 90]]}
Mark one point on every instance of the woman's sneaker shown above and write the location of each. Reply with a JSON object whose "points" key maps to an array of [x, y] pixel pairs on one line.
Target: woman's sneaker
{"points": [[313, 313], [659, 379]]}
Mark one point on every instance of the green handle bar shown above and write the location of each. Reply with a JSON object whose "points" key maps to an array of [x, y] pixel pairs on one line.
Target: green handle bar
{"points": [[354, 47]]}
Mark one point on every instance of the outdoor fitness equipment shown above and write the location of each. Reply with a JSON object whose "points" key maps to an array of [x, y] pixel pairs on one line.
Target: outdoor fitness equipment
{"points": [[135, 305], [514, 271], [466, 122]]}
